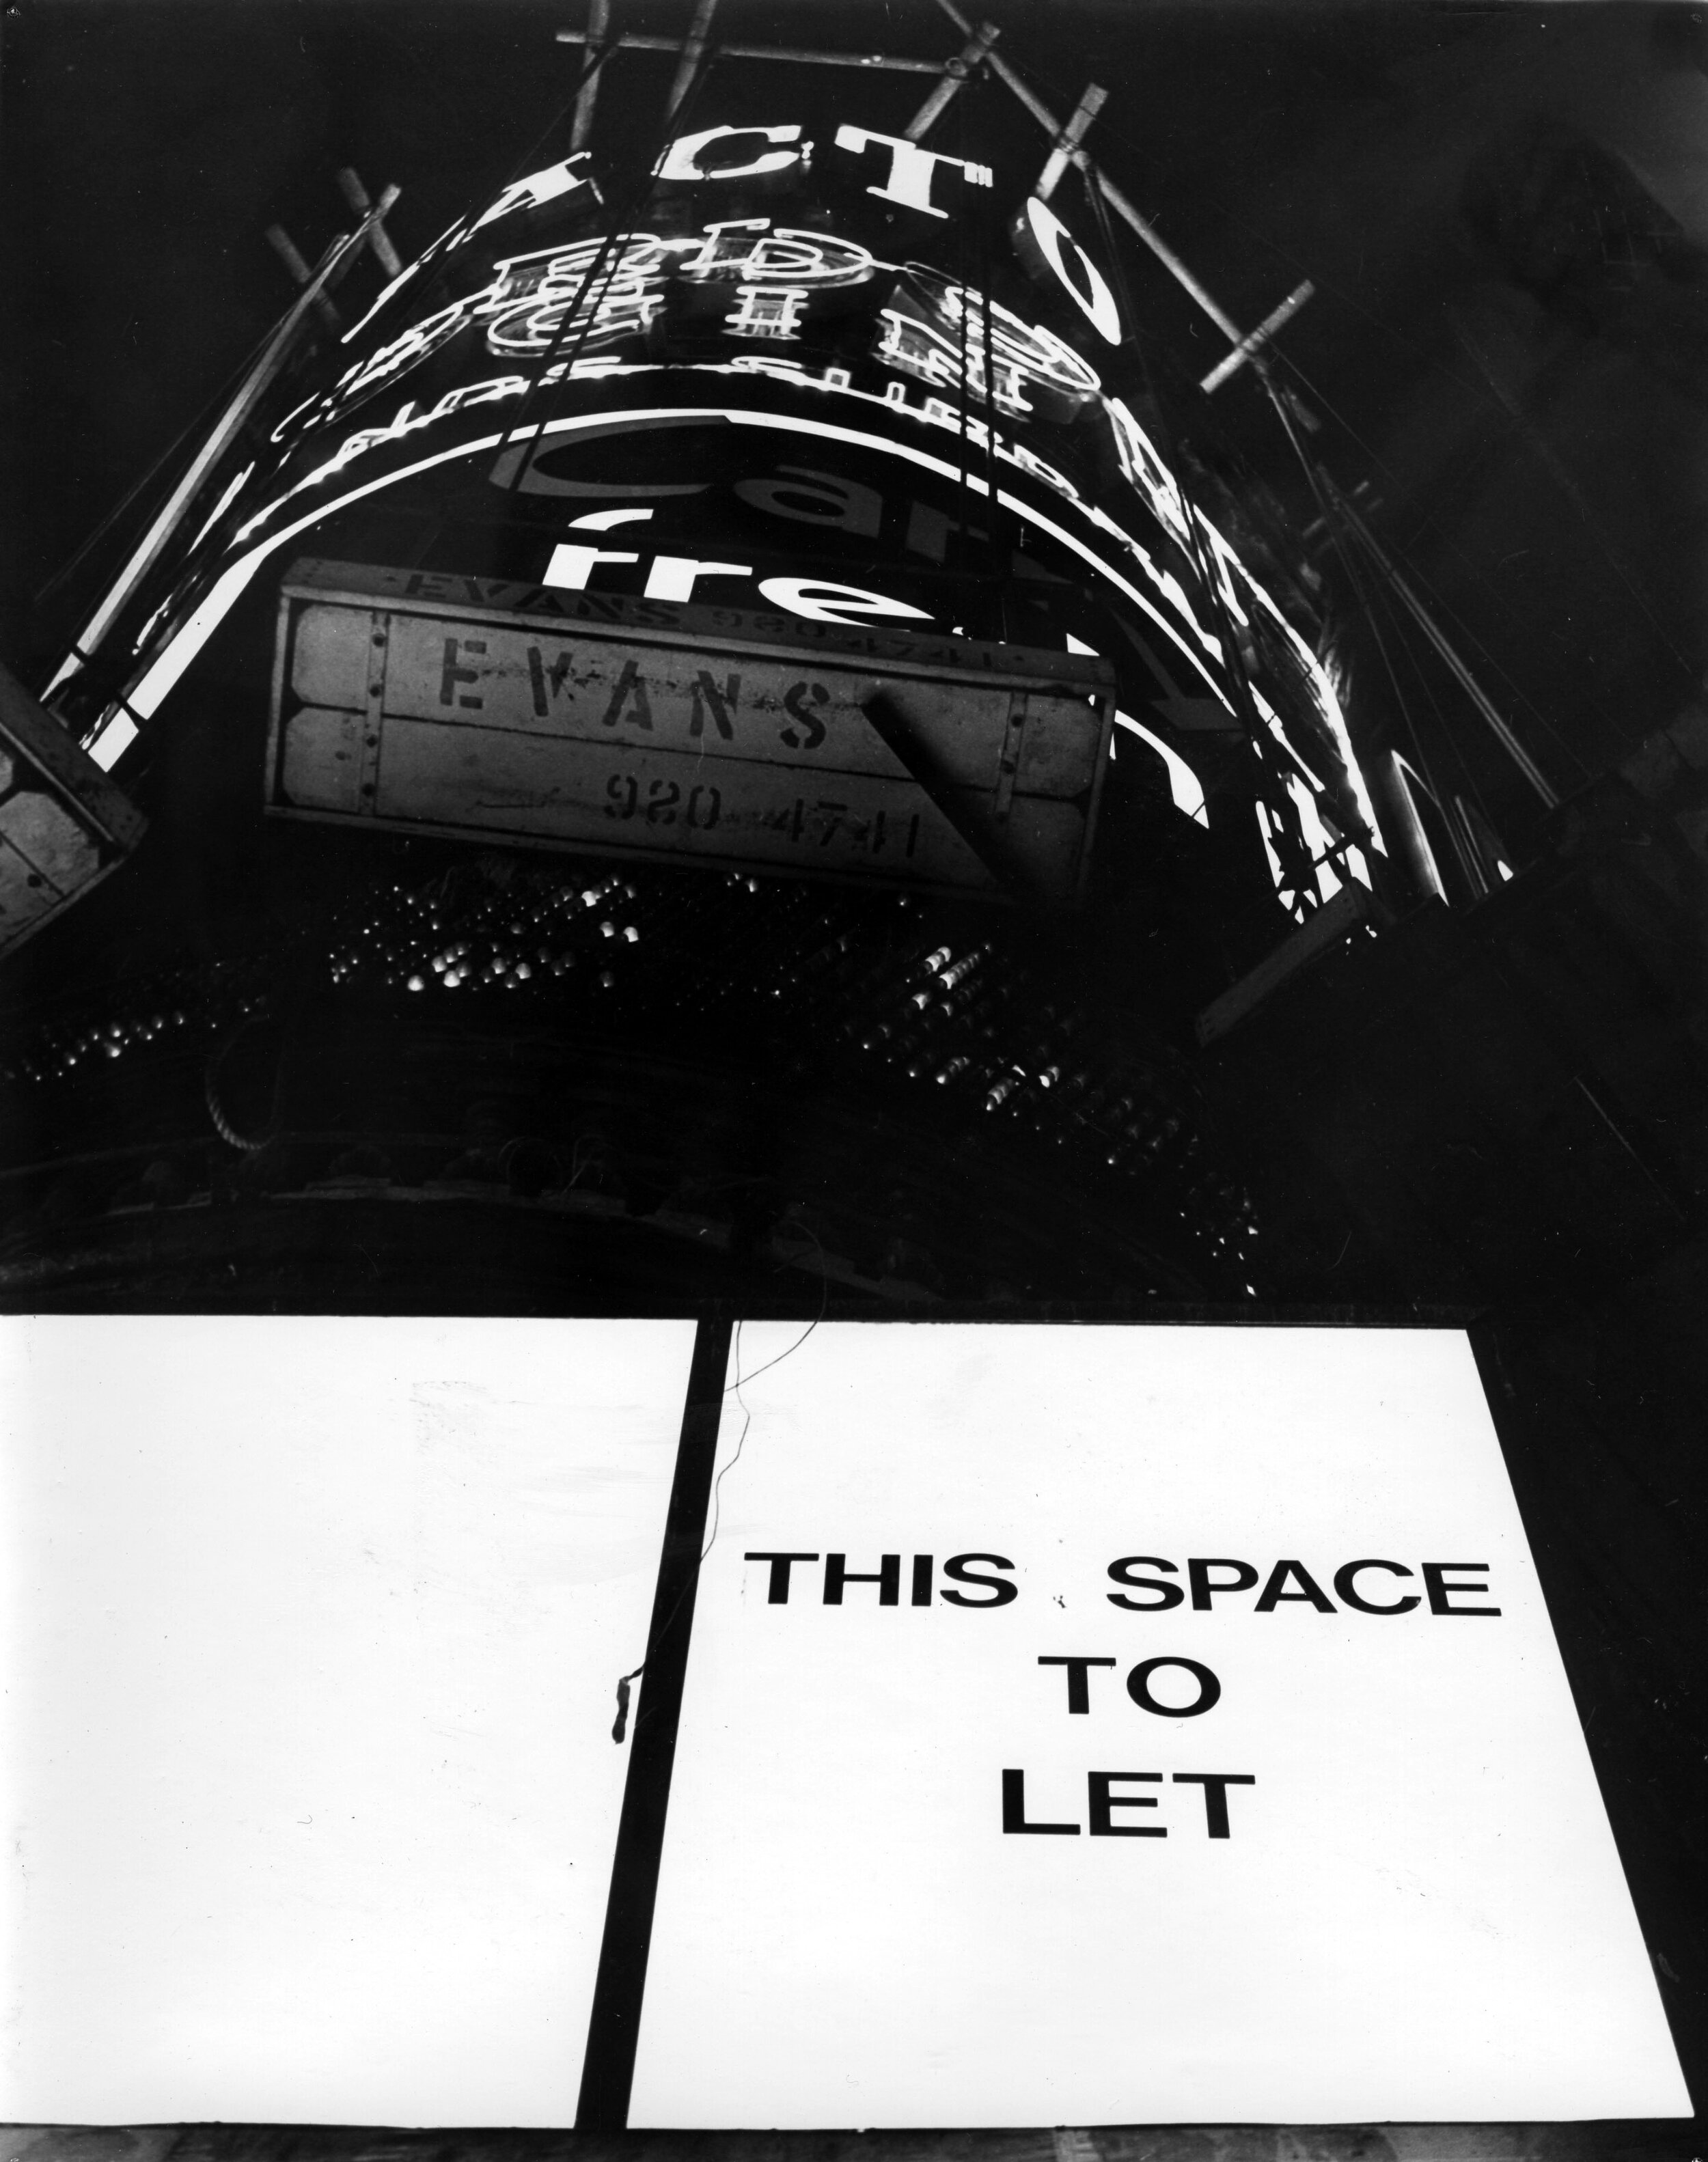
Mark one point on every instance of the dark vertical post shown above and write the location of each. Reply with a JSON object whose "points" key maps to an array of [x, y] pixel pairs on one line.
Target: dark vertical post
{"points": [[598, 29], [608, 2070]]}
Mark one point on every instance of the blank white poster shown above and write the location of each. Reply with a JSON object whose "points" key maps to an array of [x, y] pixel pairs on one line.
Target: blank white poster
{"points": [[1089, 1725], [312, 1632]]}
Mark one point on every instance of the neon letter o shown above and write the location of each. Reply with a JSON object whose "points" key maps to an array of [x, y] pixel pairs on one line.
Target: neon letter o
{"points": [[1209, 1689], [1096, 303]]}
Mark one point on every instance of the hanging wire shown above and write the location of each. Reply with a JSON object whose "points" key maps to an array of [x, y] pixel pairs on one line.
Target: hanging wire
{"points": [[1223, 205], [999, 556], [211, 405], [1403, 634], [1350, 566], [1330, 287], [1479, 578], [518, 168], [964, 390], [579, 308], [1445, 732], [525, 164], [1234, 661], [223, 394], [583, 306]]}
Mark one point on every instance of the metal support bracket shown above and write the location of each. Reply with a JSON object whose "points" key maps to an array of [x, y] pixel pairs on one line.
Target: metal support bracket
{"points": [[693, 54], [1254, 342], [598, 31], [290, 255], [955, 72], [1323, 930], [1064, 151], [373, 221], [224, 434], [790, 56]]}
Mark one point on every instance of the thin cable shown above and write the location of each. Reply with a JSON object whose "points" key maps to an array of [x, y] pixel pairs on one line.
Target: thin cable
{"points": [[1000, 557], [1479, 578], [1447, 733], [741, 1439], [963, 492], [1457, 623], [1481, 392], [1558, 471], [1469, 637], [1233, 657], [1338, 529], [525, 162], [824, 1304], [1425, 770], [583, 305], [620, 1725], [735, 1386], [210, 405], [1432, 363], [1110, 130]]}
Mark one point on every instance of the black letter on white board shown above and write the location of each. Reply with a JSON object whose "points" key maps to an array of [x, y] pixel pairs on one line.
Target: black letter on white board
{"points": [[1013, 1808]]}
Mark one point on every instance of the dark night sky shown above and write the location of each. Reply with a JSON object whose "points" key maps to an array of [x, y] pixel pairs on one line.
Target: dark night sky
{"points": [[1504, 211]]}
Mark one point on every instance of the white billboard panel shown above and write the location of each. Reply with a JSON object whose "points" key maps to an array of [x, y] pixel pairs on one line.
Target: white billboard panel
{"points": [[315, 1626], [1131, 1725]]}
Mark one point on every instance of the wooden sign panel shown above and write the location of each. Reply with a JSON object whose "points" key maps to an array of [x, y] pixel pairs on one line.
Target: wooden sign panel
{"points": [[63, 824], [485, 707]]}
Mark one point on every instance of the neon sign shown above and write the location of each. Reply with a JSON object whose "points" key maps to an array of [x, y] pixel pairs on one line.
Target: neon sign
{"points": [[939, 331], [912, 168], [824, 316], [1044, 242], [550, 297], [683, 160], [753, 248], [533, 191]]}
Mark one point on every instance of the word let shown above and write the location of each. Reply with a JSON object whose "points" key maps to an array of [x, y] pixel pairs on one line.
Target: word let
{"points": [[1102, 1801]]}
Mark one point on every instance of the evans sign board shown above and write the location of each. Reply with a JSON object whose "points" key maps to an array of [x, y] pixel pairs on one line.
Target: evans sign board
{"points": [[644, 728], [1126, 1726]]}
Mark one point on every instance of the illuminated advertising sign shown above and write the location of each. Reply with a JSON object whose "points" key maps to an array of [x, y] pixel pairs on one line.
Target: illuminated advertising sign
{"points": [[783, 372], [1093, 1726]]}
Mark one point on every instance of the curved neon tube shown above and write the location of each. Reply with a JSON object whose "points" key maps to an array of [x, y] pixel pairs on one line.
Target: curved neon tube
{"points": [[161, 675]]}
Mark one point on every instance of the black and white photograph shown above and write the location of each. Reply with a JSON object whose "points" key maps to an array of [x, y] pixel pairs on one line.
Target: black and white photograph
{"points": [[854, 1030]]}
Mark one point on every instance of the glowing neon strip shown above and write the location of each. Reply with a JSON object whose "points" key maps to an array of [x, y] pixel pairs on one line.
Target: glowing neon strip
{"points": [[161, 675], [119, 731], [452, 234], [1329, 704], [945, 470], [1134, 448], [834, 384], [227, 499], [1184, 785]]}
